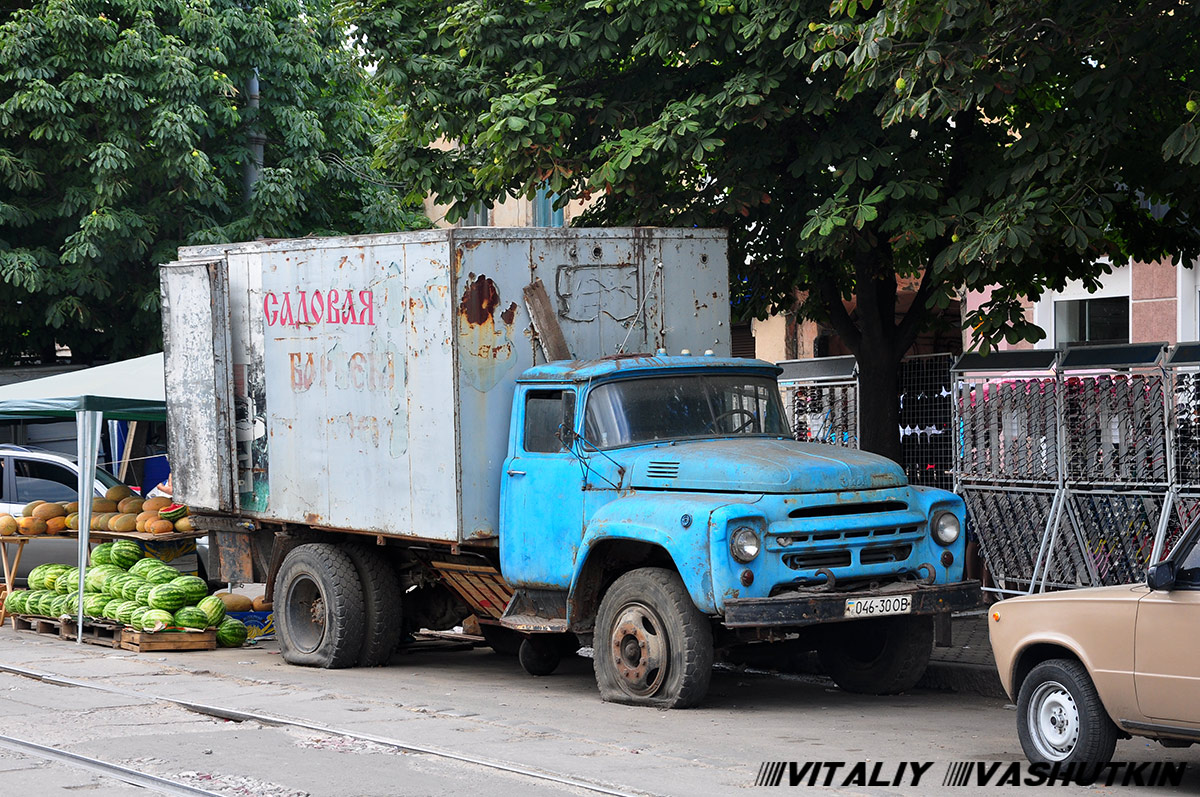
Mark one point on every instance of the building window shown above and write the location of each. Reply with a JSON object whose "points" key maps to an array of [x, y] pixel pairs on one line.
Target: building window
{"points": [[1091, 321], [477, 216], [544, 213]]}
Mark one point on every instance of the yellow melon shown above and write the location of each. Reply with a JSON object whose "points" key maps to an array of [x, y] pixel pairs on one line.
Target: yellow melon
{"points": [[100, 521], [71, 507], [103, 505], [117, 493], [260, 604], [145, 517], [122, 522], [185, 524], [56, 525], [156, 503], [160, 527], [130, 506], [235, 603], [31, 526], [27, 511], [73, 521], [47, 511], [8, 525]]}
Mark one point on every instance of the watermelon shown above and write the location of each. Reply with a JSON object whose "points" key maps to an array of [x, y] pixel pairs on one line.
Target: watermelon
{"points": [[36, 577], [125, 610], [101, 554], [130, 587], [142, 565], [125, 553], [143, 593], [154, 619], [167, 597], [194, 588], [231, 633], [113, 585], [164, 574], [191, 617], [46, 577], [58, 605], [94, 580], [135, 617], [94, 603], [213, 608], [111, 608], [173, 512], [14, 601], [67, 581]]}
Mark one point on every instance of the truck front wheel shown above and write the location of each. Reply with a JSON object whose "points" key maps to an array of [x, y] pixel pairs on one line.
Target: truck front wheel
{"points": [[883, 656], [652, 646], [319, 611]]}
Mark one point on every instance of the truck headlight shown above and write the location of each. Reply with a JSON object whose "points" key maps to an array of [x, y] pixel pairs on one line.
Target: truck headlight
{"points": [[945, 528], [743, 544]]}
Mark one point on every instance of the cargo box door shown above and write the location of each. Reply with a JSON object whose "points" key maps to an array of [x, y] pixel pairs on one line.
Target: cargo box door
{"points": [[195, 310]]}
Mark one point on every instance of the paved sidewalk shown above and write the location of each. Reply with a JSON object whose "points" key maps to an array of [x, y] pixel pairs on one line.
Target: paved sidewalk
{"points": [[967, 665]]}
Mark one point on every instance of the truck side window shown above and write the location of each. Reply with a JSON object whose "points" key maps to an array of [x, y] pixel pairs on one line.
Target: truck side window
{"points": [[543, 415]]}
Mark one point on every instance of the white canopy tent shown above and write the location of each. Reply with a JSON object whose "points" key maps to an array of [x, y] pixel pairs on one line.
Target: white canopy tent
{"points": [[131, 390]]}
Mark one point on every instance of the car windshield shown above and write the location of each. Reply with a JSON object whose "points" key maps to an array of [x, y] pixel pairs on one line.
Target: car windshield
{"points": [[636, 411]]}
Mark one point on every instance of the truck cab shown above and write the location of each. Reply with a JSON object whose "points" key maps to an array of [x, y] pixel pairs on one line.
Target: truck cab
{"points": [[659, 505]]}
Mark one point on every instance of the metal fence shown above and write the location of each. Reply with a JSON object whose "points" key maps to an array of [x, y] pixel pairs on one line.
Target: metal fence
{"points": [[1079, 467], [822, 397]]}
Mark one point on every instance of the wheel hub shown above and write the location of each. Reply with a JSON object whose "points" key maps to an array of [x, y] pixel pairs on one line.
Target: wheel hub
{"points": [[1054, 721], [639, 649]]}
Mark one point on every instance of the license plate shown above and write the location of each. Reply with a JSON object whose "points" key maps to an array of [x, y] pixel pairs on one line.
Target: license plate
{"points": [[877, 607]]}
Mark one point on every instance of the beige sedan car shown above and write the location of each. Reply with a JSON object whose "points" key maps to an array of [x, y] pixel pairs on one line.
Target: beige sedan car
{"points": [[1088, 666]]}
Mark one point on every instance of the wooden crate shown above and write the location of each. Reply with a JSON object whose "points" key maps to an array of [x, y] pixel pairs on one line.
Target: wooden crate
{"points": [[144, 641]]}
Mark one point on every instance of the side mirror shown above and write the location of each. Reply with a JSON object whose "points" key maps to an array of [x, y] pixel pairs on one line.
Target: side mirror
{"points": [[566, 431], [1161, 576]]}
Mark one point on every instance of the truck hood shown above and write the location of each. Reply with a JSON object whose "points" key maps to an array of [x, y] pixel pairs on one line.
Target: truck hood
{"points": [[759, 465]]}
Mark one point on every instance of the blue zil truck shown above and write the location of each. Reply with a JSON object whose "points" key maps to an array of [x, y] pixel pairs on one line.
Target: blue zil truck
{"points": [[412, 432]]}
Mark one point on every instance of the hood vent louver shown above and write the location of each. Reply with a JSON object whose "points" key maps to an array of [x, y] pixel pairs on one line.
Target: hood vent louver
{"points": [[662, 470]]}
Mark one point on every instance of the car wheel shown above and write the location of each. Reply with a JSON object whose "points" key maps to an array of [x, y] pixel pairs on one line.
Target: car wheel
{"points": [[382, 610], [653, 647], [1060, 717]]}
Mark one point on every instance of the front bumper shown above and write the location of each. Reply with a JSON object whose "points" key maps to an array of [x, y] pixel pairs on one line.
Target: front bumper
{"points": [[809, 607]]}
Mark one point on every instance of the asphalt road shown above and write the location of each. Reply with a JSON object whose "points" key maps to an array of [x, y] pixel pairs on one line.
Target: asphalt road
{"points": [[478, 704]]}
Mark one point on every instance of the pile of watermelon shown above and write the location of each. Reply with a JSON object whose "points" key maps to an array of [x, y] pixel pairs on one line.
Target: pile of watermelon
{"points": [[122, 585]]}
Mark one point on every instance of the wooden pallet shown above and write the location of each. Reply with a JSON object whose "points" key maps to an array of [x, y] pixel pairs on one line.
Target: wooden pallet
{"points": [[144, 641], [47, 626], [106, 635]]}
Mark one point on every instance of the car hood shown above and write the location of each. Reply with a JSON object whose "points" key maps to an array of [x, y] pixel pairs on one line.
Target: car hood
{"points": [[760, 465]]}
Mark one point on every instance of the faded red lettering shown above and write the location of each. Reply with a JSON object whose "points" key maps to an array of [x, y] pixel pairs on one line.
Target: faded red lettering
{"points": [[357, 371], [318, 306], [268, 301], [331, 306], [285, 315], [367, 300], [349, 315], [302, 371], [302, 316]]}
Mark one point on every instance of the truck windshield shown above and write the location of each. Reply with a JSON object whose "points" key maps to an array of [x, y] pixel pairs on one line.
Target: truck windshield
{"points": [[646, 410]]}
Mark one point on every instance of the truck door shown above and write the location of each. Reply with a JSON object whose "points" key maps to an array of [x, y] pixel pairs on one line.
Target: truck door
{"points": [[542, 496]]}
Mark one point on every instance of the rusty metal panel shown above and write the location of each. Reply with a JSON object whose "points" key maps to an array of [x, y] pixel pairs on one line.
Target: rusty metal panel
{"points": [[233, 560], [372, 376], [195, 312]]}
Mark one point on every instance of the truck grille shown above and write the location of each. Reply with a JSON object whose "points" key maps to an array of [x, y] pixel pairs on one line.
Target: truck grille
{"points": [[811, 560], [890, 553], [834, 510], [832, 536]]}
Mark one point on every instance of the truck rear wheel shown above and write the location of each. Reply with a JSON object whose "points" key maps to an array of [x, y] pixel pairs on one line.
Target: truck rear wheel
{"points": [[882, 656], [381, 604], [652, 646], [318, 602]]}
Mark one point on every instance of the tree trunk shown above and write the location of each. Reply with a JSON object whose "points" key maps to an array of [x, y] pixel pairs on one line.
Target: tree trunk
{"points": [[879, 400]]}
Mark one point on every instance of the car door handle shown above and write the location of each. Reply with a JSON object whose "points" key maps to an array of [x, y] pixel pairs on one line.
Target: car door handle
{"points": [[516, 473]]}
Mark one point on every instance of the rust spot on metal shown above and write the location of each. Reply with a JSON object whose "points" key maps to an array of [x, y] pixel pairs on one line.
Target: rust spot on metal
{"points": [[479, 301], [510, 314], [313, 519]]}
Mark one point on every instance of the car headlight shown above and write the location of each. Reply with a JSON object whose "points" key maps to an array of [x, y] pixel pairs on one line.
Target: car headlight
{"points": [[945, 528], [743, 544]]}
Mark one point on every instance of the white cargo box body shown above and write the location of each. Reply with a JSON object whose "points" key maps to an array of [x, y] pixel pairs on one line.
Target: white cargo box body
{"points": [[365, 383]]}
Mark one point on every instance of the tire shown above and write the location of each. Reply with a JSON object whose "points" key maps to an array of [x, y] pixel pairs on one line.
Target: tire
{"points": [[383, 611], [1060, 718], [504, 641], [652, 646], [540, 656], [318, 602], [883, 656]]}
